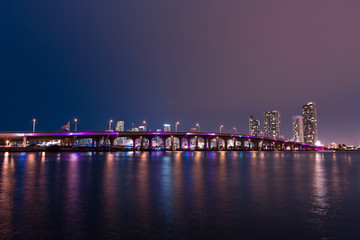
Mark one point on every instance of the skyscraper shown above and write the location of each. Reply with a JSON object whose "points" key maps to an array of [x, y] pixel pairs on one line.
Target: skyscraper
{"points": [[254, 126], [119, 128], [310, 123], [272, 124], [298, 128]]}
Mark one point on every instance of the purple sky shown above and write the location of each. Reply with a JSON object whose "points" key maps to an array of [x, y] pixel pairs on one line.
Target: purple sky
{"points": [[212, 62]]}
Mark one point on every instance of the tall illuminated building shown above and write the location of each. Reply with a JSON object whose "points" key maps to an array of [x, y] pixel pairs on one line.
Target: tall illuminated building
{"points": [[272, 124], [298, 128], [254, 126], [310, 123]]}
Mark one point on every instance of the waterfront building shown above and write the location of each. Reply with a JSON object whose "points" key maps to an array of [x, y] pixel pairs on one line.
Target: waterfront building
{"points": [[310, 123], [254, 126], [272, 124], [298, 129], [135, 129], [142, 128], [167, 128]]}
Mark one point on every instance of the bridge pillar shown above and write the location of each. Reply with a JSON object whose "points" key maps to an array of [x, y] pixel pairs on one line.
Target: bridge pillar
{"points": [[234, 141], [24, 141], [196, 142], [256, 145], [150, 143], [134, 143], [209, 143], [181, 142], [106, 138], [98, 142], [72, 141], [206, 143], [141, 143], [217, 143], [249, 141], [226, 144], [164, 142], [242, 142], [171, 142], [112, 140]]}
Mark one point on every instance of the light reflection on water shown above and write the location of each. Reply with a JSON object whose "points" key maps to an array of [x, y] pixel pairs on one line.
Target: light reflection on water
{"points": [[186, 195]]}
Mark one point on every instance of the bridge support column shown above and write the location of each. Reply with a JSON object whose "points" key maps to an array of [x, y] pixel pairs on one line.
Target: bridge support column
{"points": [[206, 143], [164, 143], [226, 144], [217, 143], [134, 143], [24, 141], [105, 141], [141, 143], [188, 140], [196, 142], [112, 140], [234, 143], [171, 143], [72, 141], [256, 145], [150, 143]]}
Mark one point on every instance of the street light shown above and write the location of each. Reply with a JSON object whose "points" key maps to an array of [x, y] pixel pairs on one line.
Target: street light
{"points": [[110, 122], [75, 120], [198, 127], [34, 121], [221, 126], [145, 123], [177, 123], [235, 130]]}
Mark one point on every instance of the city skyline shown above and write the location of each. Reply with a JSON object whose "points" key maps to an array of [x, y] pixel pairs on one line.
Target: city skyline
{"points": [[171, 64], [271, 126]]}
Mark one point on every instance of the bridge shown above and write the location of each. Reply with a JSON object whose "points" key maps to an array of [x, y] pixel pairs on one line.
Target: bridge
{"points": [[169, 140]]}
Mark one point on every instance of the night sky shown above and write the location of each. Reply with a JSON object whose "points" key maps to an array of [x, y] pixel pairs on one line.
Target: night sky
{"points": [[211, 62]]}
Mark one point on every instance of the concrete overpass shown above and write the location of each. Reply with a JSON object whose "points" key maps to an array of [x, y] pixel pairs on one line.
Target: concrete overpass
{"points": [[144, 140]]}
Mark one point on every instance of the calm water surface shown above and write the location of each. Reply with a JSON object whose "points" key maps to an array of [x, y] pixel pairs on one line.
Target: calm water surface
{"points": [[180, 195]]}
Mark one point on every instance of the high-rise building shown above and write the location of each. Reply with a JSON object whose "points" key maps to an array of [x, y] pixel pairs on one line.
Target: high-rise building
{"points": [[310, 123], [119, 128], [272, 124], [167, 128], [298, 128], [254, 126], [142, 128]]}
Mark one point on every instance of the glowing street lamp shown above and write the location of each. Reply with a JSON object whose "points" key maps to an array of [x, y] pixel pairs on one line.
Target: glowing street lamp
{"points": [[145, 123], [110, 122], [221, 126], [235, 130], [34, 121], [75, 120], [176, 124]]}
